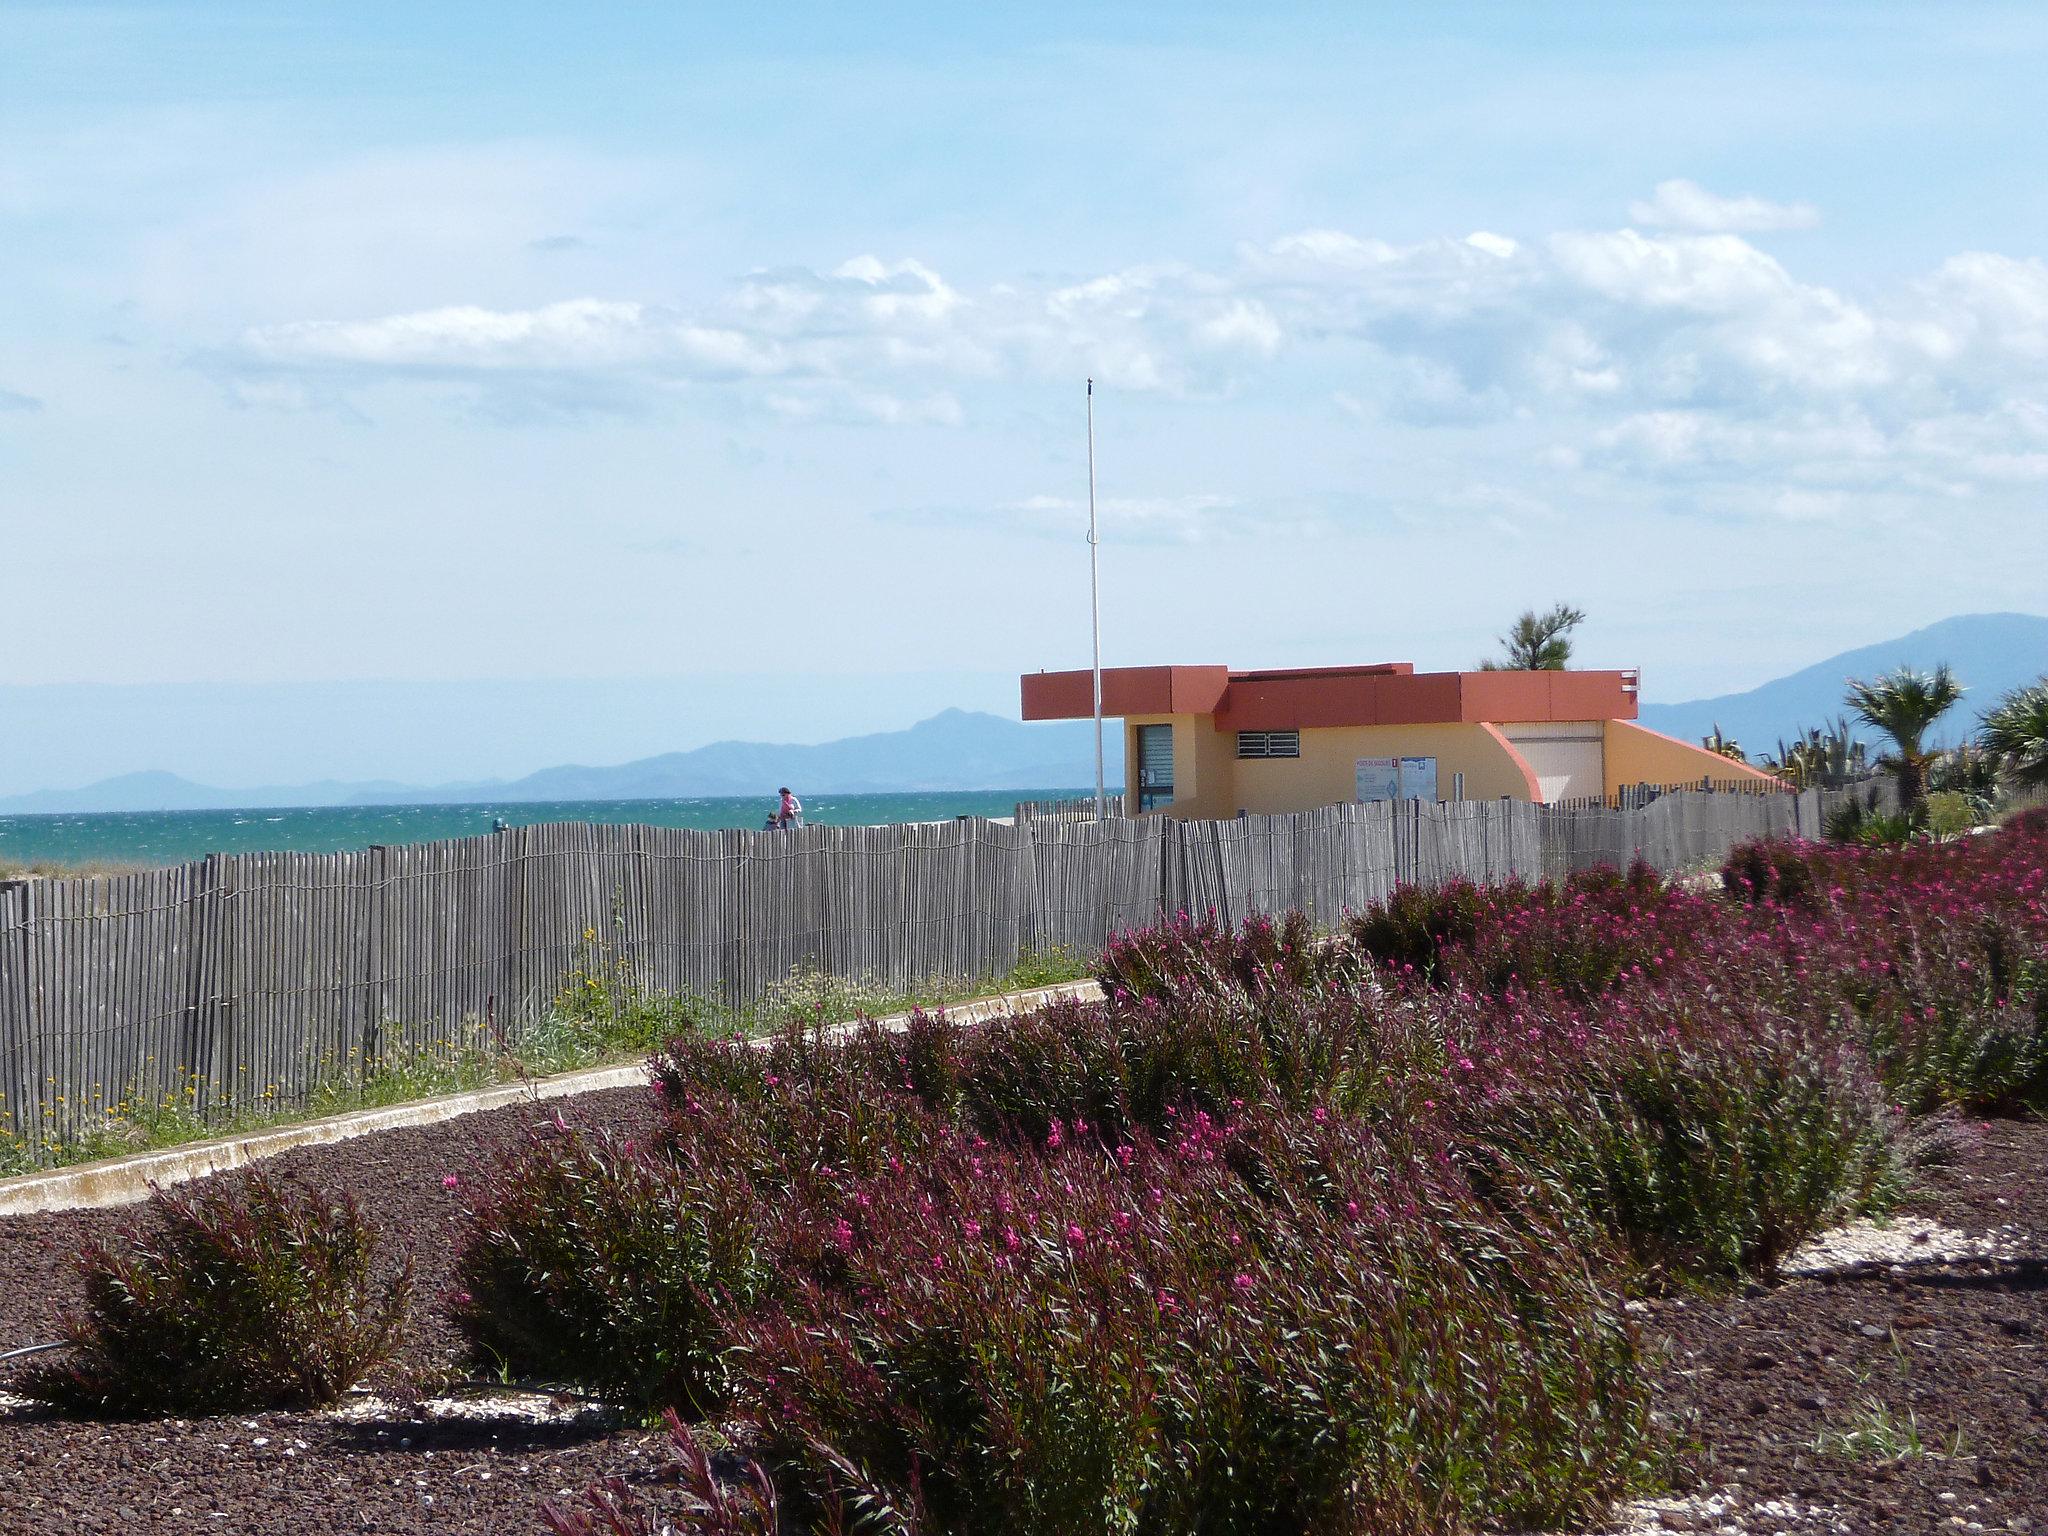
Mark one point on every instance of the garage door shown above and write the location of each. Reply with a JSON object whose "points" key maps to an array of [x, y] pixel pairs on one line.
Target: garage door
{"points": [[1565, 757]]}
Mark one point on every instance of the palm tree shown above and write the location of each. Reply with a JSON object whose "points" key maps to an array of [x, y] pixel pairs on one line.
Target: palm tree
{"points": [[1904, 704], [2015, 731], [1539, 642]]}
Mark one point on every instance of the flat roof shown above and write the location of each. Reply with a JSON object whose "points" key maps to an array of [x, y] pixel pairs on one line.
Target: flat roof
{"points": [[1295, 698]]}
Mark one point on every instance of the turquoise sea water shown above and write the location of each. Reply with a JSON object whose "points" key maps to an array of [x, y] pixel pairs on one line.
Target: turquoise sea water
{"points": [[171, 837]]}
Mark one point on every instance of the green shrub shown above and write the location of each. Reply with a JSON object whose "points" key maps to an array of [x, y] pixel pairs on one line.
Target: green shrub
{"points": [[1208, 955], [1769, 869], [1965, 1024], [1950, 813], [1410, 931], [1711, 1144], [592, 1260], [244, 1295]]}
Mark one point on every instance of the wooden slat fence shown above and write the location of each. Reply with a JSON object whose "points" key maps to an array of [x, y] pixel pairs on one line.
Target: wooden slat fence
{"points": [[248, 975]]}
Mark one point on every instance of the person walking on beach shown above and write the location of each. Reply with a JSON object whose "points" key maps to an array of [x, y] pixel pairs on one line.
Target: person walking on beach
{"points": [[789, 811]]}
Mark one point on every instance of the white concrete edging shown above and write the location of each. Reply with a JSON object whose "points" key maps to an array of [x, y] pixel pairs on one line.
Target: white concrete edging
{"points": [[127, 1180]]}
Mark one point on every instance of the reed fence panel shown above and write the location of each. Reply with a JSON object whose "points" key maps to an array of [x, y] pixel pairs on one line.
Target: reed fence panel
{"points": [[253, 976]]}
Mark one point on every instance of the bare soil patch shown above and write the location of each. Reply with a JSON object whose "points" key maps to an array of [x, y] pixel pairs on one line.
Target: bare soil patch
{"points": [[1882, 1397]]}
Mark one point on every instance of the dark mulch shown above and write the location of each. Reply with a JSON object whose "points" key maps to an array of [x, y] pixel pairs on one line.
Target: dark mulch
{"points": [[1759, 1382], [1752, 1381], [297, 1474]]}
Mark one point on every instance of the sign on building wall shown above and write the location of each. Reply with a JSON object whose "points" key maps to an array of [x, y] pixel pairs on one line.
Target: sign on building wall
{"points": [[1397, 778]]}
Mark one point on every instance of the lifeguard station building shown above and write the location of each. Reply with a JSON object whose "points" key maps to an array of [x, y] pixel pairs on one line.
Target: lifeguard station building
{"points": [[1206, 742]]}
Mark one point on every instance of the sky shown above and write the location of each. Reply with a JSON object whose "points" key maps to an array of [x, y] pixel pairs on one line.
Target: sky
{"points": [[739, 352]]}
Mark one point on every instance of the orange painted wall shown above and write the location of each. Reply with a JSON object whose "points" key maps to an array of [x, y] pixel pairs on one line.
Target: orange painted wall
{"points": [[1125, 691]]}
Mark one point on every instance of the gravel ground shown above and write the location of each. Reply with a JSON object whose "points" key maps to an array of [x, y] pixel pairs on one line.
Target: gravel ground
{"points": [[1944, 1350], [1760, 1386], [403, 1470]]}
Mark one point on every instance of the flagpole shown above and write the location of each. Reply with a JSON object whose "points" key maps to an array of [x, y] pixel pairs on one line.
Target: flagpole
{"points": [[1095, 606]]}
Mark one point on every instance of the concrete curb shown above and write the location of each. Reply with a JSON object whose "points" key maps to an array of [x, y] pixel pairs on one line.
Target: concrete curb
{"points": [[127, 1180]]}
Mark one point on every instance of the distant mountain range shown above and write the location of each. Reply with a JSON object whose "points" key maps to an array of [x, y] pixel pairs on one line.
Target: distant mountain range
{"points": [[1990, 652], [955, 749]]}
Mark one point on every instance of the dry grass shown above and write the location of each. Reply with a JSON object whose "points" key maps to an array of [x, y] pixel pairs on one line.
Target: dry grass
{"points": [[52, 869]]}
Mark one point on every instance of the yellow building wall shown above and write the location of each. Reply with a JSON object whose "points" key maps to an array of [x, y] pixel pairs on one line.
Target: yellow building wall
{"points": [[1636, 754], [1326, 772], [1212, 783]]}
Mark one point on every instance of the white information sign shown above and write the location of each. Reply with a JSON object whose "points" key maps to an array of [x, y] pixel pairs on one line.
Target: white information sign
{"points": [[1397, 778]]}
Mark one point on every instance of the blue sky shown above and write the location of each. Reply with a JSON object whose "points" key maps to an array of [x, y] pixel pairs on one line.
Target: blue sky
{"points": [[742, 349]]}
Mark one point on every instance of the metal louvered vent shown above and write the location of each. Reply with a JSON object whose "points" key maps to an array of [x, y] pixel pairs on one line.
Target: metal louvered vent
{"points": [[1269, 743]]}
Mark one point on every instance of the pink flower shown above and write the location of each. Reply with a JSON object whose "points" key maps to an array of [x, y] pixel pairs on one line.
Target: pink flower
{"points": [[1242, 1281], [450, 1181]]}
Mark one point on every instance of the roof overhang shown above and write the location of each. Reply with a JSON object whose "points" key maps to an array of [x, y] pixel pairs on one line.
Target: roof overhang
{"points": [[1125, 691], [1393, 693]]}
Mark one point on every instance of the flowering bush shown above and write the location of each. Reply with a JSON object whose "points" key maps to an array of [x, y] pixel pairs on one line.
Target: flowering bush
{"points": [[1770, 870], [1251, 1327], [241, 1295], [1285, 1233], [1410, 932], [1279, 1322], [1262, 955]]}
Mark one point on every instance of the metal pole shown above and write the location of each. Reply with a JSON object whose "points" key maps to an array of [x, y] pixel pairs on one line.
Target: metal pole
{"points": [[1095, 606]]}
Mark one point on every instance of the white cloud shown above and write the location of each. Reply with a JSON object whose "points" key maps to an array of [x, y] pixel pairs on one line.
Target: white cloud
{"points": [[580, 333], [1241, 323], [1681, 360], [1681, 204], [1707, 274]]}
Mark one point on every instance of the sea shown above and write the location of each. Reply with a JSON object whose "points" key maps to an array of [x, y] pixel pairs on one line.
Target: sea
{"points": [[144, 839]]}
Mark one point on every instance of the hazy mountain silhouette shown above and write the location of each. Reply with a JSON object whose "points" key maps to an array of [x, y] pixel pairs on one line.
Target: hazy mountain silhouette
{"points": [[956, 749], [959, 749], [1990, 652]]}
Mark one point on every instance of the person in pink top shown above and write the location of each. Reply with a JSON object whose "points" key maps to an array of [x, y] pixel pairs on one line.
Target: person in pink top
{"points": [[789, 812]]}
